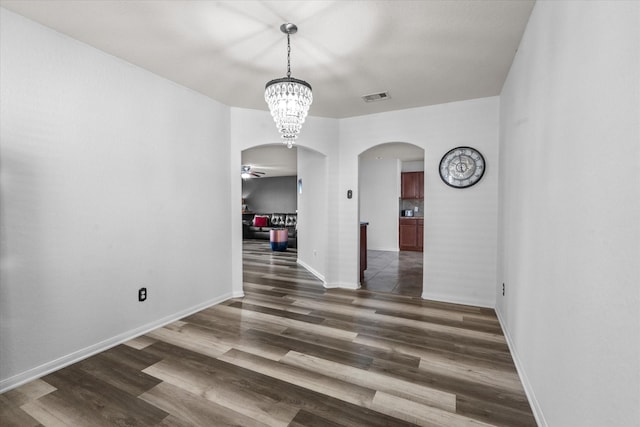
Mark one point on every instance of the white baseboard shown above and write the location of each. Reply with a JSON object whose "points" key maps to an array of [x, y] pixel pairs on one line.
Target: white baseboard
{"points": [[76, 356], [342, 285], [528, 389], [312, 271], [457, 300], [389, 249]]}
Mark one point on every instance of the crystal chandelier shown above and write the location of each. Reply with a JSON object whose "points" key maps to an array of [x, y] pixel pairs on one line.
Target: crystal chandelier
{"points": [[288, 98]]}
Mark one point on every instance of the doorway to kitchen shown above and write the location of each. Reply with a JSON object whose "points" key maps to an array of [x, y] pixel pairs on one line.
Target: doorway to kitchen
{"points": [[391, 201]]}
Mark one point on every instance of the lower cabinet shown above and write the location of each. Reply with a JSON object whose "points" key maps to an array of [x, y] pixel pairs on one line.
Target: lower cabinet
{"points": [[421, 235], [411, 234], [363, 249]]}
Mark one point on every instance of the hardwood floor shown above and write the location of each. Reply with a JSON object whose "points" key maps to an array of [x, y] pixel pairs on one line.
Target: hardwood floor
{"points": [[291, 353]]}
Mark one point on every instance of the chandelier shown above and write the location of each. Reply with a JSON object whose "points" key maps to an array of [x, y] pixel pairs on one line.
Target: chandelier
{"points": [[288, 98]]}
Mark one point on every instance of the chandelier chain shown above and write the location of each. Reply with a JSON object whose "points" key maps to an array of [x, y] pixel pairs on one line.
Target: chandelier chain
{"points": [[288, 56]]}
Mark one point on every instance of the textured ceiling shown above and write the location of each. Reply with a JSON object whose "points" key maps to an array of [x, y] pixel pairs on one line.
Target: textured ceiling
{"points": [[421, 52]]}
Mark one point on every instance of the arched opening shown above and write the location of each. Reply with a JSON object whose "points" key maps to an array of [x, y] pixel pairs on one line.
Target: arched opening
{"points": [[391, 202], [269, 200], [285, 189]]}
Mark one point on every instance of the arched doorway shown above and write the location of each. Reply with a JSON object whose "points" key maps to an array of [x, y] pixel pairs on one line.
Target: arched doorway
{"points": [[269, 200], [395, 233], [293, 183]]}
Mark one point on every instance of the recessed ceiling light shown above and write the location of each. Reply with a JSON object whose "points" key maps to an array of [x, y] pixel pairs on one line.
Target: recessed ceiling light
{"points": [[380, 96]]}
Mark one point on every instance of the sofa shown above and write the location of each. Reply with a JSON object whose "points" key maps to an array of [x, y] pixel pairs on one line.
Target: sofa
{"points": [[257, 226]]}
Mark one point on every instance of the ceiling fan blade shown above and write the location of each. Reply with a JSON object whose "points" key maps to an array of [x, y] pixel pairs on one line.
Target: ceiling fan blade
{"points": [[248, 170]]}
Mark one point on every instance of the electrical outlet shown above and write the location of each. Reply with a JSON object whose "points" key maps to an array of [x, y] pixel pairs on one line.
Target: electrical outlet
{"points": [[502, 289], [142, 294]]}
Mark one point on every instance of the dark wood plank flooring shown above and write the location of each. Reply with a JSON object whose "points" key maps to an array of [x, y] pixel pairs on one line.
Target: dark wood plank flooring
{"points": [[291, 354]]}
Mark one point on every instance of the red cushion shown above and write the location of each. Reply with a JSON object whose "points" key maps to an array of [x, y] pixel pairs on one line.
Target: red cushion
{"points": [[260, 221]]}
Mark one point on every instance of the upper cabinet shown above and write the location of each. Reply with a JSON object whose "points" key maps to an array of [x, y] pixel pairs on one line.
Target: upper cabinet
{"points": [[412, 185]]}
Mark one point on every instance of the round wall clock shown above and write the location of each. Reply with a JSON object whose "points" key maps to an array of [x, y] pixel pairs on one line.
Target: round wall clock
{"points": [[462, 167]]}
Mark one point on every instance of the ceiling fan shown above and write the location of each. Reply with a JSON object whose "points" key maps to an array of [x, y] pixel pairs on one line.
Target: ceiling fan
{"points": [[248, 172]]}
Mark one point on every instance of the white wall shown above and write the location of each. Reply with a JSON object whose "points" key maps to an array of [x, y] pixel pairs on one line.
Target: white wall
{"points": [[570, 212], [112, 179], [460, 224], [314, 229], [268, 195], [379, 202]]}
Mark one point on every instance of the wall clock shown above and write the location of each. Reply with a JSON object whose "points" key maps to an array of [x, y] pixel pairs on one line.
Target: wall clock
{"points": [[462, 167]]}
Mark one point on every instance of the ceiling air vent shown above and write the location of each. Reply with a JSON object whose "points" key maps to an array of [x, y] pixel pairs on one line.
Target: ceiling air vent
{"points": [[381, 96]]}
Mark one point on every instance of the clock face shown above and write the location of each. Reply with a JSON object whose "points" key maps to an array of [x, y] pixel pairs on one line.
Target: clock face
{"points": [[462, 167]]}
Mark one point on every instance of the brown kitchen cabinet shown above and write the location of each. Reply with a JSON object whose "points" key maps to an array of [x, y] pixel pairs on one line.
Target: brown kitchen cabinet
{"points": [[420, 234], [363, 249], [412, 185], [411, 233]]}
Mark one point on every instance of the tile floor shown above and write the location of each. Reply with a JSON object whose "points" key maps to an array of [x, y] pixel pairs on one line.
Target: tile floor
{"points": [[395, 272]]}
